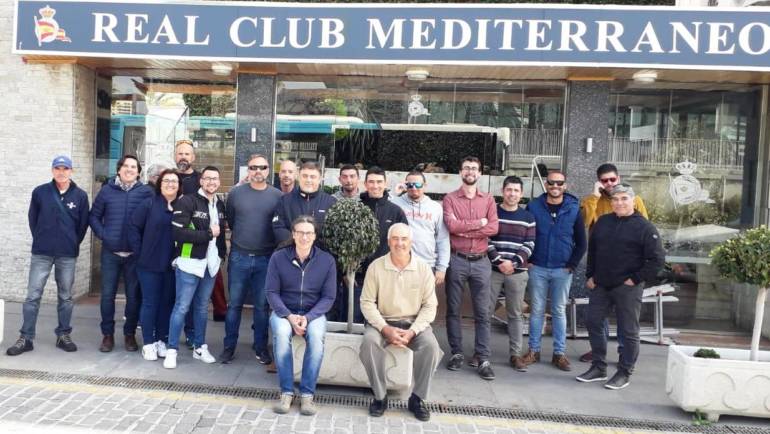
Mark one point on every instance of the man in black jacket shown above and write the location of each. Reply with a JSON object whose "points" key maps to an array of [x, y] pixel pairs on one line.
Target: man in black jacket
{"points": [[308, 199], [624, 252]]}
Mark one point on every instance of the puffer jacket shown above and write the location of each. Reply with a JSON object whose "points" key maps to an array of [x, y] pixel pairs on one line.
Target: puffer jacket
{"points": [[111, 212]]}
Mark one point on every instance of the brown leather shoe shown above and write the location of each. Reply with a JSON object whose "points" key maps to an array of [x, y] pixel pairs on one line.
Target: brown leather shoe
{"points": [[561, 361], [587, 357], [518, 364], [108, 343], [130, 343], [531, 357]]}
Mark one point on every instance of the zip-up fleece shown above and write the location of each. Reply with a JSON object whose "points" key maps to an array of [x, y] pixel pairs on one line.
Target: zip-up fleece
{"points": [[301, 288], [297, 203], [52, 234], [191, 223], [111, 211], [621, 248]]}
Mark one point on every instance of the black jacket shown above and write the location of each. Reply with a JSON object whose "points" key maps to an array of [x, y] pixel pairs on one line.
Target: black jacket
{"points": [[297, 203], [191, 221], [621, 248], [387, 214]]}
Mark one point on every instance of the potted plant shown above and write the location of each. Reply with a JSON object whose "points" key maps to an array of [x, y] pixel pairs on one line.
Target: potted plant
{"points": [[738, 382]]}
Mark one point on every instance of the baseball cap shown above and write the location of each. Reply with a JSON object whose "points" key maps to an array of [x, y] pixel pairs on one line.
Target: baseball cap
{"points": [[62, 160]]}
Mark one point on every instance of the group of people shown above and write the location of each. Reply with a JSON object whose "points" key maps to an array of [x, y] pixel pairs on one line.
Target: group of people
{"points": [[167, 240]]}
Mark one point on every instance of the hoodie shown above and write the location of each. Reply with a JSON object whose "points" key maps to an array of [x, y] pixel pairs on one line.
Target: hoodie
{"points": [[430, 239]]}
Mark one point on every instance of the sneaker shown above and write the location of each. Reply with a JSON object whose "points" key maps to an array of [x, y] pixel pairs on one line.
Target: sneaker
{"points": [[129, 341], [306, 406], [22, 345], [561, 361], [618, 381], [455, 362], [150, 352], [531, 357], [485, 371], [283, 406], [170, 362], [587, 357], [65, 343], [377, 407], [227, 356], [264, 357], [418, 409], [160, 348], [518, 364], [594, 373], [202, 353], [108, 343]]}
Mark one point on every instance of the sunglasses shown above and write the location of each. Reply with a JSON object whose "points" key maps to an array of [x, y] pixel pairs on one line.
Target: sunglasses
{"points": [[606, 180], [255, 167], [551, 182], [414, 185]]}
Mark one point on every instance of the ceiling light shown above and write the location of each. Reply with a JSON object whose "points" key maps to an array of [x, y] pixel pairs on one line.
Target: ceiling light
{"points": [[221, 69], [645, 76], [417, 74]]}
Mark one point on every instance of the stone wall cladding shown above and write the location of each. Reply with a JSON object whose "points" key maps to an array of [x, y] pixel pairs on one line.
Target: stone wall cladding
{"points": [[48, 110]]}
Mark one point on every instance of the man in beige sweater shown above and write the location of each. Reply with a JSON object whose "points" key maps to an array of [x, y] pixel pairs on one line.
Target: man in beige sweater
{"points": [[399, 303]]}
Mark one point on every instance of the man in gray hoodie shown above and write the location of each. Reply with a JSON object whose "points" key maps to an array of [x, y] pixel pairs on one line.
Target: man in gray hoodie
{"points": [[426, 219]]}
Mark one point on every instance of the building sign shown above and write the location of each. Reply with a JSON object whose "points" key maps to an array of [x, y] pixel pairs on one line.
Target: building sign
{"points": [[521, 34]]}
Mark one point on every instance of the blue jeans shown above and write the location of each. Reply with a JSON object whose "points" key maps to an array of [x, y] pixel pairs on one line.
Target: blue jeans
{"points": [[39, 270], [157, 302], [544, 283], [191, 291], [246, 274], [112, 267], [284, 360]]}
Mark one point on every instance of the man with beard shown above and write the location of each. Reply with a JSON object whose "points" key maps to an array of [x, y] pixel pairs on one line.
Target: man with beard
{"points": [[348, 183], [597, 204], [287, 176], [471, 218], [249, 213], [559, 247]]}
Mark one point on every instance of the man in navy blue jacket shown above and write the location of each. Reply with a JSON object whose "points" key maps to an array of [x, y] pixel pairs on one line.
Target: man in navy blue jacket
{"points": [[58, 220], [113, 206], [308, 199]]}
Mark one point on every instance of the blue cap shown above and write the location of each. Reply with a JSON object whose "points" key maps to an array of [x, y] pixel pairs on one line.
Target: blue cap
{"points": [[62, 160]]}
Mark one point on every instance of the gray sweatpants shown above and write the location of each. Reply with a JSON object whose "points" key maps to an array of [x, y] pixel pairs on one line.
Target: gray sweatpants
{"points": [[427, 355], [513, 287]]}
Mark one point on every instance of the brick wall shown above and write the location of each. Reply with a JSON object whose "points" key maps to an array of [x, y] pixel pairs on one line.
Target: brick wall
{"points": [[47, 110]]}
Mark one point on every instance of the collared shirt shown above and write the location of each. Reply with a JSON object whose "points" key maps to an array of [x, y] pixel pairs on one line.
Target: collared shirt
{"points": [[124, 186], [212, 261], [390, 294], [462, 216]]}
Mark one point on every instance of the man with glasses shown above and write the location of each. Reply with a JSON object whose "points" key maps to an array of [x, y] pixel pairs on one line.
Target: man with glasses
{"points": [[249, 215], [198, 231], [430, 240], [597, 204], [348, 183], [471, 218], [308, 199], [561, 244]]}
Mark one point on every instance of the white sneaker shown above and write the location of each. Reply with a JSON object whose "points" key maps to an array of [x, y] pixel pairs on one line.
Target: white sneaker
{"points": [[202, 353], [170, 362], [161, 349], [149, 352]]}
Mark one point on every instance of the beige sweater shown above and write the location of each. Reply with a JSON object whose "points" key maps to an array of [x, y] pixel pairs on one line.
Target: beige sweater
{"points": [[390, 294]]}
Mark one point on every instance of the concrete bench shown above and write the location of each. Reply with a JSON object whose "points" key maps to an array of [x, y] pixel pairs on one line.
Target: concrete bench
{"points": [[342, 367]]}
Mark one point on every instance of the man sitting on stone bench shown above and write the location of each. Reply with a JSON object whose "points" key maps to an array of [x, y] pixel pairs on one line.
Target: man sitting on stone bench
{"points": [[399, 303]]}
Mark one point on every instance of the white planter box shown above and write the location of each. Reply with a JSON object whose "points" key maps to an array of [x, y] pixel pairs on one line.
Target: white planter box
{"points": [[342, 367], [730, 385]]}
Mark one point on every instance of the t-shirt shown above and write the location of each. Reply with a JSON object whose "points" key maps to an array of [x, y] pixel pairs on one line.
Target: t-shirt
{"points": [[250, 216], [191, 182]]}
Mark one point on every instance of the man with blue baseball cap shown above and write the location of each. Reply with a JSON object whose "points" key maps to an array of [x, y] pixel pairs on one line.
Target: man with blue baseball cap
{"points": [[58, 220]]}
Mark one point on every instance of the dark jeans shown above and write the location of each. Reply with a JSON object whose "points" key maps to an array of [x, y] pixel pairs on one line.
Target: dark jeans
{"points": [[628, 303], [246, 275], [477, 274], [39, 270], [112, 267], [157, 301]]}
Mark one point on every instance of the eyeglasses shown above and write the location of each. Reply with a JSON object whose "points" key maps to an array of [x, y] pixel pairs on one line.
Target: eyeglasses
{"points": [[606, 180], [470, 169], [254, 168], [414, 185], [170, 181], [553, 182], [304, 234], [210, 179]]}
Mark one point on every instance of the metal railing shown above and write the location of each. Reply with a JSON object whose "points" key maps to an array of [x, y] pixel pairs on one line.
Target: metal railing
{"points": [[528, 143], [711, 153]]}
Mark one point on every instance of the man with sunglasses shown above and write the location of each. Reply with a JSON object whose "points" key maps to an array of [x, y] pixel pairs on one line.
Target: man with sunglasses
{"points": [[561, 244], [597, 204], [430, 238], [249, 213]]}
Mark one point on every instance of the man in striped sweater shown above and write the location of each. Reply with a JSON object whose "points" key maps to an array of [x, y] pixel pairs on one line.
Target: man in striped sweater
{"points": [[509, 252]]}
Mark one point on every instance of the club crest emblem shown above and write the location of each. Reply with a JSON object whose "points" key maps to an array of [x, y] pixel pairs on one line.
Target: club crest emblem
{"points": [[47, 29]]}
